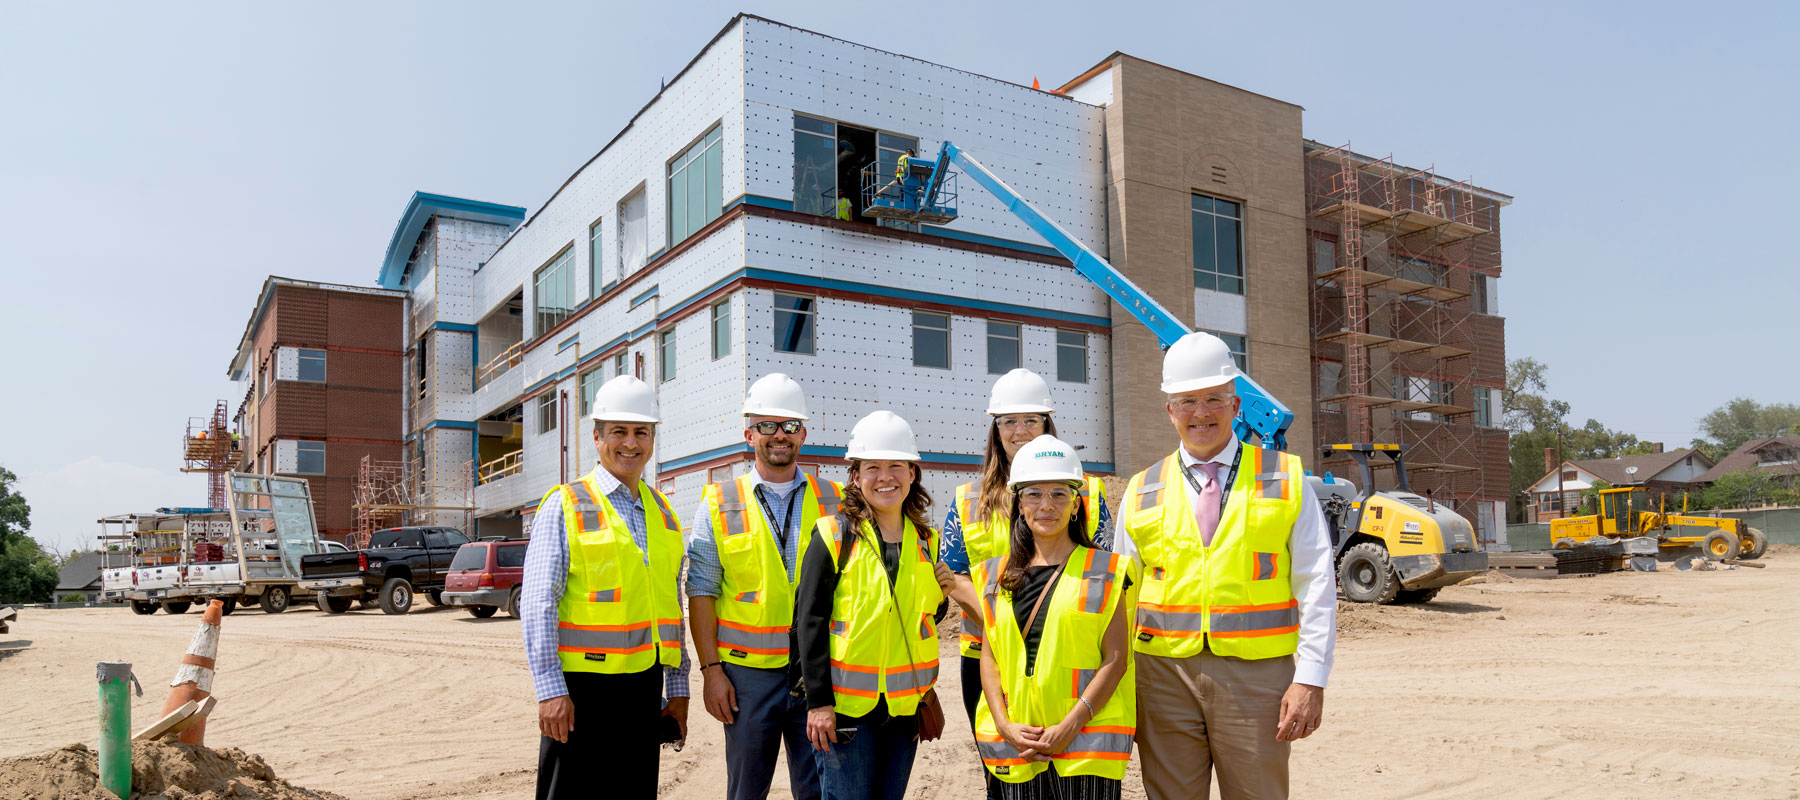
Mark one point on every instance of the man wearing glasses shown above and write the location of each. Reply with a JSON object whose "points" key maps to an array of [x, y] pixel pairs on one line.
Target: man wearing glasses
{"points": [[1237, 607], [743, 558]]}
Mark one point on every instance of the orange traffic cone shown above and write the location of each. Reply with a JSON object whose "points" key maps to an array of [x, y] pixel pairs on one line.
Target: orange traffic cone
{"points": [[193, 679]]}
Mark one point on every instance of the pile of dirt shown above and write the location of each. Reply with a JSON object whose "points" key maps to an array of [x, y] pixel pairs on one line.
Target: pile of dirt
{"points": [[159, 771], [1788, 549]]}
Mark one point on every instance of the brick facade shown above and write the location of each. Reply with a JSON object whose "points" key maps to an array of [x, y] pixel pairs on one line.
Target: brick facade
{"points": [[358, 409]]}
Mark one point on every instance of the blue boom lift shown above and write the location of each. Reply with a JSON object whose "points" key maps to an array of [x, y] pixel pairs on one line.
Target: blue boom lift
{"points": [[916, 189], [1405, 555]]}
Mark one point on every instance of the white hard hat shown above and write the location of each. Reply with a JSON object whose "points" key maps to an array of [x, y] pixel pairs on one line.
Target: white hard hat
{"points": [[1020, 391], [1046, 458], [624, 399], [1198, 360], [775, 395], [882, 436]]}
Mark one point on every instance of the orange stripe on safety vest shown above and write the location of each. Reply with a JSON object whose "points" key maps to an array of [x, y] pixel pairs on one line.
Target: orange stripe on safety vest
{"points": [[753, 628], [1254, 634]]}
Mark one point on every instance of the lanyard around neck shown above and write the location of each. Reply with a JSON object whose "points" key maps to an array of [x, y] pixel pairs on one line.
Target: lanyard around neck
{"points": [[787, 518], [1226, 479]]}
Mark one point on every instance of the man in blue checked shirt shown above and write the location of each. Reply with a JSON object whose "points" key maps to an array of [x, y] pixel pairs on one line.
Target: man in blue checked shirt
{"points": [[601, 609], [744, 552]]}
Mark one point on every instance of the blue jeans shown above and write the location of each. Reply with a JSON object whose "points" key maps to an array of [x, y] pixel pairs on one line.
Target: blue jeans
{"points": [[767, 715], [876, 763]]}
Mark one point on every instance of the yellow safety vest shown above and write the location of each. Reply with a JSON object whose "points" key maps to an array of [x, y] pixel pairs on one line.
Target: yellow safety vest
{"points": [[755, 605], [618, 615], [883, 638], [1075, 619], [992, 537], [1233, 597], [843, 213]]}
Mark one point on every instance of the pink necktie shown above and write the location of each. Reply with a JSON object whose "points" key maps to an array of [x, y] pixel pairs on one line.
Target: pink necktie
{"points": [[1208, 512]]}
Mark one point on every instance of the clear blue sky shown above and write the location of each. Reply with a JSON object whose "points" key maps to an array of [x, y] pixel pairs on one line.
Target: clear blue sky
{"points": [[157, 161]]}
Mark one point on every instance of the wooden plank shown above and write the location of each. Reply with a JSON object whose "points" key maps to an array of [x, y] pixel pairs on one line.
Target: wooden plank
{"points": [[206, 707], [1521, 560], [168, 722]]}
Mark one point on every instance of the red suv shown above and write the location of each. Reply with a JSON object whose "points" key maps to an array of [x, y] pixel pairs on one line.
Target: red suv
{"points": [[484, 577]]}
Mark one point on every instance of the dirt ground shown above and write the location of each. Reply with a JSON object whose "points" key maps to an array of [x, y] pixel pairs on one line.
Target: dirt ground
{"points": [[1629, 685]]}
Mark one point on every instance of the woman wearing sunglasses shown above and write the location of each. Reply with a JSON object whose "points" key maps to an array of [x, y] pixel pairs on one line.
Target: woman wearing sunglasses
{"points": [[869, 589], [978, 528], [1058, 709]]}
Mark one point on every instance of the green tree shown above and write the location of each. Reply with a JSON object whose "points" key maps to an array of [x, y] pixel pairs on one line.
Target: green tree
{"points": [[1536, 419], [1749, 487], [1729, 426], [27, 575]]}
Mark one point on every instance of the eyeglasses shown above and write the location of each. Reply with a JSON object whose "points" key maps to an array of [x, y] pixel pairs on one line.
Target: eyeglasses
{"points": [[1031, 422], [1212, 402], [1037, 496], [769, 427]]}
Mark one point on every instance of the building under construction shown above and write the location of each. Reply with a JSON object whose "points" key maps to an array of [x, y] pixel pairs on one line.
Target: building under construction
{"points": [[1408, 344]]}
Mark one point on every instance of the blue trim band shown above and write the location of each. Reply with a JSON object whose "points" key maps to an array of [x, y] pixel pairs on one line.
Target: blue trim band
{"points": [[567, 343], [644, 296], [453, 326], [452, 424], [420, 209]]}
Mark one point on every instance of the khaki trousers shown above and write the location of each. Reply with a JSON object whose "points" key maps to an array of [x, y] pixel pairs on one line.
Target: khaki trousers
{"points": [[1212, 713]]}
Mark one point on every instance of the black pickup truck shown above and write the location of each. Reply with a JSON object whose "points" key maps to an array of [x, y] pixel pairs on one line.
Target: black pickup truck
{"points": [[397, 563]]}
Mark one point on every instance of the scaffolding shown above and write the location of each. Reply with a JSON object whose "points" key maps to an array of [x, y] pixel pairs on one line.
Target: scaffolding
{"points": [[210, 448], [391, 494], [1398, 257]]}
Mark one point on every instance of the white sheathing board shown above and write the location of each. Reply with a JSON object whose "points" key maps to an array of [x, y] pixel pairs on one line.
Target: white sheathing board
{"points": [[813, 251], [864, 363], [287, 364], [287, 457], [710, 92], [1221, 311], [453, 374], [462, 246], [1045, 146], [1096, 90]]}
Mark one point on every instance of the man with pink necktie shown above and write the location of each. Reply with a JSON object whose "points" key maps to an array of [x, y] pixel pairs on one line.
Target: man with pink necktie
{"points": [[1237, 605]]}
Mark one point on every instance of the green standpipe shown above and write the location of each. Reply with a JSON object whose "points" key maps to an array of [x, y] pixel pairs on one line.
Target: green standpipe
{"points": [[115, 726]]}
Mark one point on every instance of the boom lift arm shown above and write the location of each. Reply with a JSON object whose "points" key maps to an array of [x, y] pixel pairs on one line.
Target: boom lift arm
{"points": [[1260, 412]]}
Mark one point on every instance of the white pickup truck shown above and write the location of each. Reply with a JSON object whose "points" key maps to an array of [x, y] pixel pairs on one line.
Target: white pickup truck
{"points": [[247, 553]]}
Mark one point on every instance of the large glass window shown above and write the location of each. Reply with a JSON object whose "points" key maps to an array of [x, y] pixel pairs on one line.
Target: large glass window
{"points": [[794, 323], [721, 329], [931, 340], [546, 412], [695, 187], [1484, 406], [1484, 301], [1003, 347], [1414, 269], [665, 350], [1218, 244], [815, 166], [1071, 357], [553, 291], [596, 282], [309, 458], [312, 366], [1240, 348], [590, 383]]}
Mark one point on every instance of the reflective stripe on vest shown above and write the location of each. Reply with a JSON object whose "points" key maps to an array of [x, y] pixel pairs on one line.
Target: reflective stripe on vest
{"points": [[755, 607], [1068, 658], [636, 623], [980, 543], [881, 652], [1232, 596]]}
